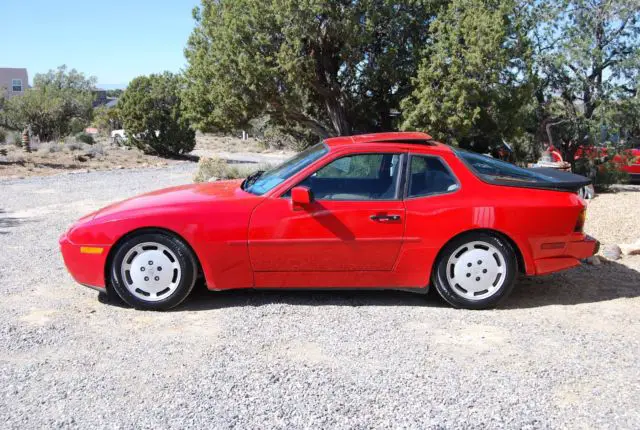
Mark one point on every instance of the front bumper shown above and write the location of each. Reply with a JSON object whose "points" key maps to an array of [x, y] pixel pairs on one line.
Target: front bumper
{"points": [[85, 263], [570, 255]]}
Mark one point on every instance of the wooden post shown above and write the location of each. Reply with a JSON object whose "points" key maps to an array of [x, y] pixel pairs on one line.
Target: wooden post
{"points": [[26, 141]]}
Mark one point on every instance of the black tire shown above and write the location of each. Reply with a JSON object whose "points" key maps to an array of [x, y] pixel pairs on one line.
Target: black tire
{"points": [[185, 259], [453, 294]]}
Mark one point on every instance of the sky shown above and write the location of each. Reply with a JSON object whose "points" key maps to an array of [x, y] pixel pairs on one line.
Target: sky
{"points": [[114, 40]]}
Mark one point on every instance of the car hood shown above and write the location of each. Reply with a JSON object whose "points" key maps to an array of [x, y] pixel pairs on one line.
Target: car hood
{"points": [[178, 196]]}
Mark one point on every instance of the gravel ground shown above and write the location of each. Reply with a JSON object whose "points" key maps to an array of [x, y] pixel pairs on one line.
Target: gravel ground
{"points": [[561, 353]]}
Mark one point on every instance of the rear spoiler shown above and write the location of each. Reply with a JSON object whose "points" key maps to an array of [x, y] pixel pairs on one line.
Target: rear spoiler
{"points": [[558, 181]]}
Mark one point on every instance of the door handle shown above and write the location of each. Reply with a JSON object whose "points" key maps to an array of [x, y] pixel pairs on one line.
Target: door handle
{"points": [[385, 218]]}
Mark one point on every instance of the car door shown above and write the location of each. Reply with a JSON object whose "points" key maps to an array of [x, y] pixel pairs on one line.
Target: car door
{"points": [[355, 222]]}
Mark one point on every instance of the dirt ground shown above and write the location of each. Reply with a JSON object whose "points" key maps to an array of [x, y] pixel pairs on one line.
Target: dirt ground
{"points": [[51, 158]]}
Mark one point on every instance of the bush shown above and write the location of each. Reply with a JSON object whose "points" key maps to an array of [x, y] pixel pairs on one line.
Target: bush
{"points": [[607, 174], [77, 125], [49, 147], [107, 119], [95, 151], [218, 168], [210, 168], [73, 145], [85, 138], [604, 172], [151, 112], [3, 136], [15, 138]]}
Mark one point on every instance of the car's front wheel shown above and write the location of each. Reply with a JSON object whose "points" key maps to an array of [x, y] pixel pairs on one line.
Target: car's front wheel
{"points": [[154, 271], [475, 271]]}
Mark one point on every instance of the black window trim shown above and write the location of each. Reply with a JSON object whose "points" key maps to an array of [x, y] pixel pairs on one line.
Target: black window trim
{"points": [[400, 181], [407, 175]]}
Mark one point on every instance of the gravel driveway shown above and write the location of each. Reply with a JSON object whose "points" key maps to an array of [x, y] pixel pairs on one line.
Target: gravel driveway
{"points": [[563, 351]]}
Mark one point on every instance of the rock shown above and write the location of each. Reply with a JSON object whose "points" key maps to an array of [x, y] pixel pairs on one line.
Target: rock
{"points": [[611, 252], [213, 179], [631, 248], [81, 158], [594, 260]]}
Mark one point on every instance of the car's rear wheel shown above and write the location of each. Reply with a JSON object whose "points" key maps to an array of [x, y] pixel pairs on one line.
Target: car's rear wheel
{"points": [[475, 271], [154, 271]]}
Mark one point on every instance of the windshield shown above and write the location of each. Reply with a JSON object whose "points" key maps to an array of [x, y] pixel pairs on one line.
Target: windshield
{"points": [[262, 182], [490, 168]]}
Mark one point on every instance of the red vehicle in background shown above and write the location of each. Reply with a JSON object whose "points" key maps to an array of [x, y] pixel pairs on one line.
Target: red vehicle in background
{"points": [[628, 160], [389, 210]]}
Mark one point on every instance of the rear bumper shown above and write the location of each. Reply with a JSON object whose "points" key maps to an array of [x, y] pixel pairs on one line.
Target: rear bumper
{"points": [[570, 255], [84, 262]]}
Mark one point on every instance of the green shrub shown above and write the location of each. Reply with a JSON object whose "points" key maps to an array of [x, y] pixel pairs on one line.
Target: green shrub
{"points": [[3, 135], [85, 138], [604, 172], [151, 112], [218, 168], [15, 138], [209, 168], [73, 145], [77, 125]]}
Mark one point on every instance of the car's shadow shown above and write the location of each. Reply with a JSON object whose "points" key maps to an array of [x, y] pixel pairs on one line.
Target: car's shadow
{"points": [[7, 221], [586, 284], [202, 299]]}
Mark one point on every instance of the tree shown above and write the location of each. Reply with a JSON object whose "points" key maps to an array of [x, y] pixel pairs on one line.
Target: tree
{"points": [[471, 85], [151, 110], [589, 60], [57, 97], [331, 67], [107, 119], [116, 92]]}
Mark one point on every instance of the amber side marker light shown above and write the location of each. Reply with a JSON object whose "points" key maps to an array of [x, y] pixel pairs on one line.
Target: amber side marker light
{"points": [[91, 250], [581, 219]]}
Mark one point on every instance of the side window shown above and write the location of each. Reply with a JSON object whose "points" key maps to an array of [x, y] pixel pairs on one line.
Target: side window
{"points": [[429, 175], [365, 166], [357, 177]]}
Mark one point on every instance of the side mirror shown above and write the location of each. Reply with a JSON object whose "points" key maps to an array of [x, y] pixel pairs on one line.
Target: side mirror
{"points": [[301, 196]]}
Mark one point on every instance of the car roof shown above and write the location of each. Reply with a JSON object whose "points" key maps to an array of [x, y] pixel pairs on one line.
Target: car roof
{"points": [[419, 140]]}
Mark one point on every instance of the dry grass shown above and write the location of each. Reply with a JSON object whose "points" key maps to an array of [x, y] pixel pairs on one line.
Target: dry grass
{"points": [[48, 158], [220, 143], [53, 157]]}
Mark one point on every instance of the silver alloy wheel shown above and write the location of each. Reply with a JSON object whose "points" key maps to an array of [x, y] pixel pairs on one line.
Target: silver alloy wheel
{"points": [[151, 271], [476, 270]]}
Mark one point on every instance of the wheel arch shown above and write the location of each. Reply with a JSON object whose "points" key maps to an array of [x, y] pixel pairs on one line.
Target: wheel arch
{"points": [[143, 230], [522, 267]]}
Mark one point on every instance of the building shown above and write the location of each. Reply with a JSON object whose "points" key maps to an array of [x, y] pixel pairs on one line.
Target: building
{"points": [[13, 81]]}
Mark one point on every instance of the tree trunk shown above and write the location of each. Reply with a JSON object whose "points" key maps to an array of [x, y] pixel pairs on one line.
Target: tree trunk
{"points": [[338, 116]]}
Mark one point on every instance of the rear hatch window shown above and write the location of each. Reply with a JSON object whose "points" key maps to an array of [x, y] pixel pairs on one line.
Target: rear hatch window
{"points": [[500, 172]]}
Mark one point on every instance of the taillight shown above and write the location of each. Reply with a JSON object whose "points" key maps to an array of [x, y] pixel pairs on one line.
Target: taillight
{"points": [[581, 219]]}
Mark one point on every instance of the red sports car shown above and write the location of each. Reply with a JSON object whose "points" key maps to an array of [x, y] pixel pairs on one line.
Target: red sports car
{"points": [[392, 210]]}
